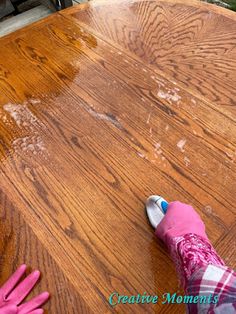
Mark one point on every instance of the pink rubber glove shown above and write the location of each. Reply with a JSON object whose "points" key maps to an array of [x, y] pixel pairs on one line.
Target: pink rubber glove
{"points": [[12, 293], [180, 219]]}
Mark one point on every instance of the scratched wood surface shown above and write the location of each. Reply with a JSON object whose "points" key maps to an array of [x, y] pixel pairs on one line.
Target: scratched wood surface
{"points": [[100, 106]]}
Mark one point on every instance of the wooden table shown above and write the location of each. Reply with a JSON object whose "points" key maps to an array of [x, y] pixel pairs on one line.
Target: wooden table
{"points": [[102, 105]]}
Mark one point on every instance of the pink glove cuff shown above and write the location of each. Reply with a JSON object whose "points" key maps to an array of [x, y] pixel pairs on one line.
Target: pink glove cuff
{"points": [[179, 220]]}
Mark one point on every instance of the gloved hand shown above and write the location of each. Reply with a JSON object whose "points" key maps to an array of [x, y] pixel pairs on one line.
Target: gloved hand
{"points": [[180, 219], [12, 293]]}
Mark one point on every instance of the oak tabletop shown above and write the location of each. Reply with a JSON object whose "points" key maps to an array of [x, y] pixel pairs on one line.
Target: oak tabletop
{"points": [[102, 105]]}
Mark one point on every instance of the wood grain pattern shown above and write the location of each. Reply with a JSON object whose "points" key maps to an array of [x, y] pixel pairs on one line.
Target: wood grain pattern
{"points": [[90, 126], [192, 43], [19, 245], [226, 246]]}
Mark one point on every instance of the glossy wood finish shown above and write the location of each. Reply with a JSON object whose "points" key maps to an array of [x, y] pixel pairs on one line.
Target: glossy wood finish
{"points": [[192, 43], [100, 106]]}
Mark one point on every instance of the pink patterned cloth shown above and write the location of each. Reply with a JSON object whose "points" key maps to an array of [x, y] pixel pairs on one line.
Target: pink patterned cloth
{"points": [[183, 232], [202, 272], [191, 252]]}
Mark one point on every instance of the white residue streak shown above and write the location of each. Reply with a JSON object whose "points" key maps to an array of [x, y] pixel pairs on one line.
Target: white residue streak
{"points": [[231, 156], [105, 117], [186, 161], [35, 101], [21, 114], [181, 144], [30, 144], [208, 209], [24, 118], [148, 119], [158, 150], [141, 155], [150, 131], [170, 95], [157, 145]]}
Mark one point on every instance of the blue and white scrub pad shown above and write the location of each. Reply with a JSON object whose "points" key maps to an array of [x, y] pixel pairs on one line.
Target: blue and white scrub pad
{"points": [[156, 207]]}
